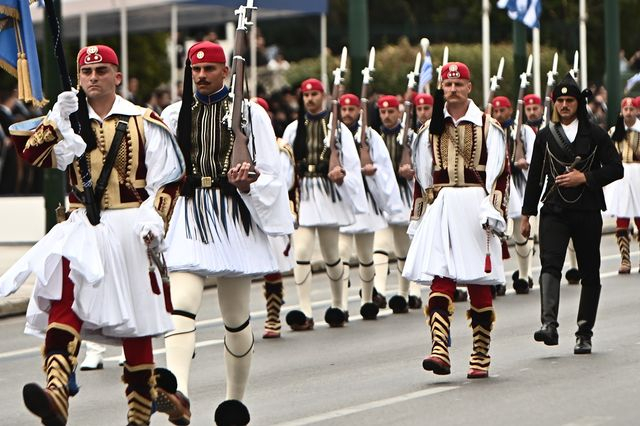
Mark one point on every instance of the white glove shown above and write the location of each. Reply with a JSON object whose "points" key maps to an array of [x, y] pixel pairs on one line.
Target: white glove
{"points": [[489, 215], [497, 224], [71, 146], [67, 103], [150, 227]]}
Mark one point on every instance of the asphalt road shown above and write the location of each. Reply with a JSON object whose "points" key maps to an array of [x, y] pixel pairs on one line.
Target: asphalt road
{"points": [[369, 373]]}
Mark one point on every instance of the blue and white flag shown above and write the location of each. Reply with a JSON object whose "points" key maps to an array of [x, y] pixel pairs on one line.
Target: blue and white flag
{"points": [[526, 11], [18, 51], [426, 73]]}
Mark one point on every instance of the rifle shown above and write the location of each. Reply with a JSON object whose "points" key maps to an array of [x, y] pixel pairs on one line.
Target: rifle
{"points": [[424, 45], [407, 114], [445, 60], [546, 115], [240, 151], [494, 85], [575, 69], [334, 144], [91, 205], [367, 78], [518, 152]]}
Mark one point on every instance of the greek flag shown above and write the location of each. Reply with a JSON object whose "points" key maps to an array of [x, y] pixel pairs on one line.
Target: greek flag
{"points": [[426, 73], [526, 11], [18, 52]]}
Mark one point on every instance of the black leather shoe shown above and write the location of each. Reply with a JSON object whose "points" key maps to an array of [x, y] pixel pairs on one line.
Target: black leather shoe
{"points": [[583, 345], [547, 334]]}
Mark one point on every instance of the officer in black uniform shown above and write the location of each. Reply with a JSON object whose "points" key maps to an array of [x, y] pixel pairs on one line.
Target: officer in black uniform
{"points": [[576, 158]]}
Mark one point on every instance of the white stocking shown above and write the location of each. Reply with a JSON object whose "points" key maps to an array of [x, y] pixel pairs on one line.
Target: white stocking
{"points": [[233, 297], [186, 297]]}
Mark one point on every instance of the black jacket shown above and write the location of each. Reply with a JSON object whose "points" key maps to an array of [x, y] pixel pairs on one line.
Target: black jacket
{"points": [[605, 168]]}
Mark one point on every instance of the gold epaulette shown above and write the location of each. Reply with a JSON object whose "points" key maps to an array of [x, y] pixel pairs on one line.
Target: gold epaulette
{"points": [[151, 116], [495, 123], [424, 127], [286, 148]]}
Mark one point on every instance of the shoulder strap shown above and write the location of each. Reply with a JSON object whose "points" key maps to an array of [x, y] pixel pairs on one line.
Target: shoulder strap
{"points": [[561, 140], [121, 132]]}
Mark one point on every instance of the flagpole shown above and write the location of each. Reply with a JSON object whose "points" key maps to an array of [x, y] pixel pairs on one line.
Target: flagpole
{"points": [[537, 86], [486, 50], [583, 44], [92, 209]]}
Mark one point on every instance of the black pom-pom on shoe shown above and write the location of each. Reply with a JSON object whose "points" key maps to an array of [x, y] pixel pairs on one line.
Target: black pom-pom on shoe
{"points": [[334, 317], [398, 304], [369, 311], [296, 317], [232, 413]]}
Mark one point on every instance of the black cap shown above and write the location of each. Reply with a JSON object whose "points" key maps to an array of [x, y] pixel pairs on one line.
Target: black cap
{"points": [[567, 87]]}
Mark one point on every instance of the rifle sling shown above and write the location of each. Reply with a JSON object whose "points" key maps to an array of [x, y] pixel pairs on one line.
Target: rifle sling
{"points": [[103, 179]]}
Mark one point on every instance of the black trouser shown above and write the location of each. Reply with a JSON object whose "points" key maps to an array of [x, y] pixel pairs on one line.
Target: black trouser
{"points": [[584, 227]]}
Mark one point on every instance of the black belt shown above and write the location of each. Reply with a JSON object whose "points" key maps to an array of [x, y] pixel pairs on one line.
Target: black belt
{"points": [[206, 182]]}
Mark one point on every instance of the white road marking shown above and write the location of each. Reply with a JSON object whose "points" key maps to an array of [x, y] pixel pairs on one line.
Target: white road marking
{"points": [[367, 406]]}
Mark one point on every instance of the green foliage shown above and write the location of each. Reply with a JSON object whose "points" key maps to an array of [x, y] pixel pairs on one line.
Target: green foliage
{"points": [[394, 62]]}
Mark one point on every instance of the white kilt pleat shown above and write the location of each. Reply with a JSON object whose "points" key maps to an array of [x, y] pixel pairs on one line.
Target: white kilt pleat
{"points": [[516, 200], [371, 221], [321, 205], [229, 252], [109, 269], [450, 242], [623, 195], [280, 245], [403, 216]]}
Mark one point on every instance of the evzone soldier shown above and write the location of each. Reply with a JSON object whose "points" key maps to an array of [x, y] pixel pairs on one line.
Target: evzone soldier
{"points": [[623, 196], [460, 161], [324, 200], [424, 108], [502, 111], [394, 236], [273, 288], [382, 196], [576, 158], [100, 279], [220, 226], [534, 110]]}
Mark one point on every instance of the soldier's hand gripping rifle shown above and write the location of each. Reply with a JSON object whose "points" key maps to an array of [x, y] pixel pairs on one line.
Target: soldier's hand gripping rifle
{"points": [[367, 78], [518, 153], [405, 160], [88, 198], [494, 85], [336, 171], [240, 152], [551, 75]]}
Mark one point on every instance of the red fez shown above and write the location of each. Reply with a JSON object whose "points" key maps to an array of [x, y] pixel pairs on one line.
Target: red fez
{"points": [[311, 84], [349, 99], [98, 54], [501, 101], [636, 102], [206, 51], [628, 102], [388, 101], [423, 99], [262, 102], [532, 99], [455, 70]]}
